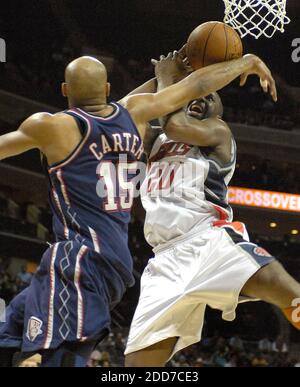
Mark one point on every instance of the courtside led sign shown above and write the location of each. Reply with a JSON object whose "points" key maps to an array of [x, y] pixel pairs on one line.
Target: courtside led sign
{"points": [[264, 199]]}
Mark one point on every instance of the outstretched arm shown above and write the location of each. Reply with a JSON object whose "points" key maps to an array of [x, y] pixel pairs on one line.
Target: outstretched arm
{"points": [[28, 136], [202, 82], [15, 143], [148, 87]]}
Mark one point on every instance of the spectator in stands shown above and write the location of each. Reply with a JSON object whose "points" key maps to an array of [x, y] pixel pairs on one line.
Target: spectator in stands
{"points": [[236, 343], [279, 345], [95, 359], [265, 345], [207, 359], [199, 362], [259, 360], [220, 358], [232, 362], [106, 363], [8, 287], [23, 278], [179, 361]]}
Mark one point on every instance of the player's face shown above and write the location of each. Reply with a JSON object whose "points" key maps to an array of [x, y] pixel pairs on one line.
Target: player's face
{"points": [[202, 108], [197, 109]]}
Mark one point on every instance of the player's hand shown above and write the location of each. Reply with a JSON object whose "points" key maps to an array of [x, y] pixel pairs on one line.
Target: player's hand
{"points": [[183, 56], [267, 81], [170, 67]]}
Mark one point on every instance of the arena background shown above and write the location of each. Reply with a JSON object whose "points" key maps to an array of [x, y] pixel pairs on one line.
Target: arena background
{"points": [[41, 38]]}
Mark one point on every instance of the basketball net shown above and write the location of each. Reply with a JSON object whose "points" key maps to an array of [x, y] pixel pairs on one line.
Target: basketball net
{"points": [[256, 17]]}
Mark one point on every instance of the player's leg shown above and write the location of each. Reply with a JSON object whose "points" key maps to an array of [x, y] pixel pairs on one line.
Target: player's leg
{"points": [[273, 284], [156, 355], [270, 281], [67, 309], [169, 315]]}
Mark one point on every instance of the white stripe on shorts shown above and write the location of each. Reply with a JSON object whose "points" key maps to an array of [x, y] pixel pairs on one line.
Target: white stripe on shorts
{"points": [[95, 240], [80, 309], [51, 299]]}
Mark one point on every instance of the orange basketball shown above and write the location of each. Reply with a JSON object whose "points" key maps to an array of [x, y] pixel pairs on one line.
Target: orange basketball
{"points": [[213, 42]]}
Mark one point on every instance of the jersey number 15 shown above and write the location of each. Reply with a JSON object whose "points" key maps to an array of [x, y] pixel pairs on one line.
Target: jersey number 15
{"points": [[114, 186]]}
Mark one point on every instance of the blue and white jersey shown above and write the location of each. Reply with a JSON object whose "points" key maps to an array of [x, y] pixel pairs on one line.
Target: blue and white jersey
{"points": [[91, 193]]}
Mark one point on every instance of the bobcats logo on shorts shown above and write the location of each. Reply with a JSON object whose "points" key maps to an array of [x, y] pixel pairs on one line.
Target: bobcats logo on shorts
{"points": [[34, 328], [261, 252]]}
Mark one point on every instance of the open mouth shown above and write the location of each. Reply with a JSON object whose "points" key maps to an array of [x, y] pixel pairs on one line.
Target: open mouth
{"points": [[197, 109]]}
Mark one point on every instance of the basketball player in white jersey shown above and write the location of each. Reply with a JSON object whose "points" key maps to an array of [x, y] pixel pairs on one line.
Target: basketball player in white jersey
{"points": [[201, 257]]}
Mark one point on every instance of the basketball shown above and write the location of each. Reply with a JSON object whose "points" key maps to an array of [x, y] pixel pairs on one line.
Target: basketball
{"points": [[213, 42]]}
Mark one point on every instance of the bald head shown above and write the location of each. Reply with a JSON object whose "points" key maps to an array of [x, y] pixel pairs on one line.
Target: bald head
{"points": [[85, 81]]}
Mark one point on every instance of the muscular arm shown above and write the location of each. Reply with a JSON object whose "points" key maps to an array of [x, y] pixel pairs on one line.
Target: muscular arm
{"points": [[148, 87], [44, 132], [55, 135], [27, 137], [146, 107], [210, 132]]}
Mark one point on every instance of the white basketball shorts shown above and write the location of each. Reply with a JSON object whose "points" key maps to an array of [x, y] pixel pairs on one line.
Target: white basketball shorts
{"points": [[204, 268]]}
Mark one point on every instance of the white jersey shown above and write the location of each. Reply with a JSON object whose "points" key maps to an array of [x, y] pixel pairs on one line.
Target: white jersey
{"points": [[184, 190], [201, 257]]}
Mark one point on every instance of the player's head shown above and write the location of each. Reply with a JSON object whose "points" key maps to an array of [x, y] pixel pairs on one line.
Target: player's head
{"points": [[206, 107], [85, 82]]}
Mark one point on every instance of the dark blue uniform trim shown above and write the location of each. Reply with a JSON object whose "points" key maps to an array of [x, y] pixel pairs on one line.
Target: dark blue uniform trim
{"points": [[260, 255]]}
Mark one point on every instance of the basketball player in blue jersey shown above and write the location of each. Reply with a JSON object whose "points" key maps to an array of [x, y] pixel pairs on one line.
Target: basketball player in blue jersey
{"points": [[91, 152], [202, 257]]}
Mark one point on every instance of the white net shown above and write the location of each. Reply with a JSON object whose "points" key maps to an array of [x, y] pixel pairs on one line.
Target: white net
{"points": [[256, 17]]}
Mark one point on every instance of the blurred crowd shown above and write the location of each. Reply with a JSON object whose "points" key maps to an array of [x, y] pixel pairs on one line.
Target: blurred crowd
{"points": [[10, 285], [24, 219], [250, 106], [20, 220], [213, 351], [31, 77], [266, 175]]}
